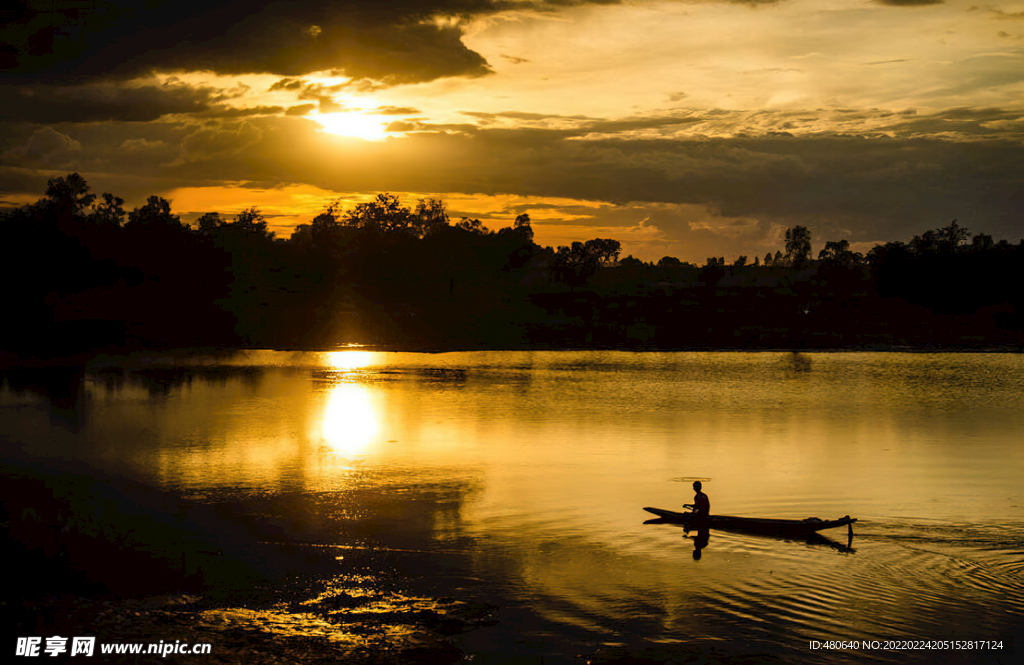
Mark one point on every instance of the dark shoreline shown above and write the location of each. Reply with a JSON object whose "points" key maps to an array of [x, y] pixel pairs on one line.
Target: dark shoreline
{"points": [[13, 360]]}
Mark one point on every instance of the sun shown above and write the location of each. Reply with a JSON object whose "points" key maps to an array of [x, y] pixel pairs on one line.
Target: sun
{"points": [[366, 127]]}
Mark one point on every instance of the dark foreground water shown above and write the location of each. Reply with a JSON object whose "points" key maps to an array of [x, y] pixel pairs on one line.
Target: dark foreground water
{"points": [[497, 497]]}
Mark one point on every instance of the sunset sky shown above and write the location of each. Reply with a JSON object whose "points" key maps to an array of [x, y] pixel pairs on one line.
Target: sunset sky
{"points": [[688, 128]]}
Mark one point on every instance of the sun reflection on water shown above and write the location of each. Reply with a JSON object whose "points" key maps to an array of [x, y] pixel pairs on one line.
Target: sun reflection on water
{"points": [[349, 359], [350, 420]]}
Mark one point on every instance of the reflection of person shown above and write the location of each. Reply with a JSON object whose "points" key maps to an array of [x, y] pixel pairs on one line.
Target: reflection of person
{"points": [[699, 543]]}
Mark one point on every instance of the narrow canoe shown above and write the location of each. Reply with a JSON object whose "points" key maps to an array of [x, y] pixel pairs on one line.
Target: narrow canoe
{"points": [[755, 524]]}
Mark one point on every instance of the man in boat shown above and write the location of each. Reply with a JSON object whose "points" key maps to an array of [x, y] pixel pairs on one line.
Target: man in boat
{"points": [[701, 520]]}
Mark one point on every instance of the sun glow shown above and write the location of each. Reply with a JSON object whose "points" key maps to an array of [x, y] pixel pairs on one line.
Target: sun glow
{"points": [[357, 125]]}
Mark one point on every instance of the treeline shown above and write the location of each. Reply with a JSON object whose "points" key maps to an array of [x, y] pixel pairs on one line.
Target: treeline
{"points": [[946, 269], [945, 288], [84, 274]]}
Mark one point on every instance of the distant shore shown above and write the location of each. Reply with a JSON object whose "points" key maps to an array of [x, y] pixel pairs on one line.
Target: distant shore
{"points": [[12, 360]]}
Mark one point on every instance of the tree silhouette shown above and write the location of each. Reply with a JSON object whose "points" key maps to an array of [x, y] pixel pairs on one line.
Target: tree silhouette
{"points": [[385, 214], [576, 264], [251, 222], [68, 195], [109, 213], [429, 217], [473, 226], [926, 242], [952, 236], [523, 228], [982, 243], [837, 253], [798, 246], [605, 249], [155, 214], [210, 223]]}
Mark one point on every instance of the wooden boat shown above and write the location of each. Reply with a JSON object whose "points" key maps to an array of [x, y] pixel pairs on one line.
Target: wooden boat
{"points": [[754, 524]]}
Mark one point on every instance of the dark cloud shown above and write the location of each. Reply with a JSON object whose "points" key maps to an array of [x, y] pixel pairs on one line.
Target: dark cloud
{"points": [[287, 84], [393, 42], [130, 159], [409, 54], [220, 141], [46, 147], [44, 104], [143, 146], [20, 185]]}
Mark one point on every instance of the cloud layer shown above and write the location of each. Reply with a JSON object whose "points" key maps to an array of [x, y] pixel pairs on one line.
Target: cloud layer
{"points": [[864, 187]]}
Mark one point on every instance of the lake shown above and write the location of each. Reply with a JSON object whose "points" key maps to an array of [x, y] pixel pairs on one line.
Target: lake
{"points": [[511, 484]]}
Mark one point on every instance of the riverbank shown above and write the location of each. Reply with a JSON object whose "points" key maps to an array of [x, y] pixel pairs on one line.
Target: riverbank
{"points": [[126, 357]]}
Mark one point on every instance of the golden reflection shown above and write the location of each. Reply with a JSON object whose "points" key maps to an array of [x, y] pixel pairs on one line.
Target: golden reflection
{"points": [[350, 421], [349, 359]]}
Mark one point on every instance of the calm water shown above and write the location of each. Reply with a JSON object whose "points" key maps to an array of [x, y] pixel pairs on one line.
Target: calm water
{"points": [[519, 478]]}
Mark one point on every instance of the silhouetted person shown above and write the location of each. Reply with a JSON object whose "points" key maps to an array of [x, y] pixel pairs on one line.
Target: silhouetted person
{"points": [[701, 520]]}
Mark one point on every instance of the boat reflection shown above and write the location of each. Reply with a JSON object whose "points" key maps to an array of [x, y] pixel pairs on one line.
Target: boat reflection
{"points": [[810, 539]]}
